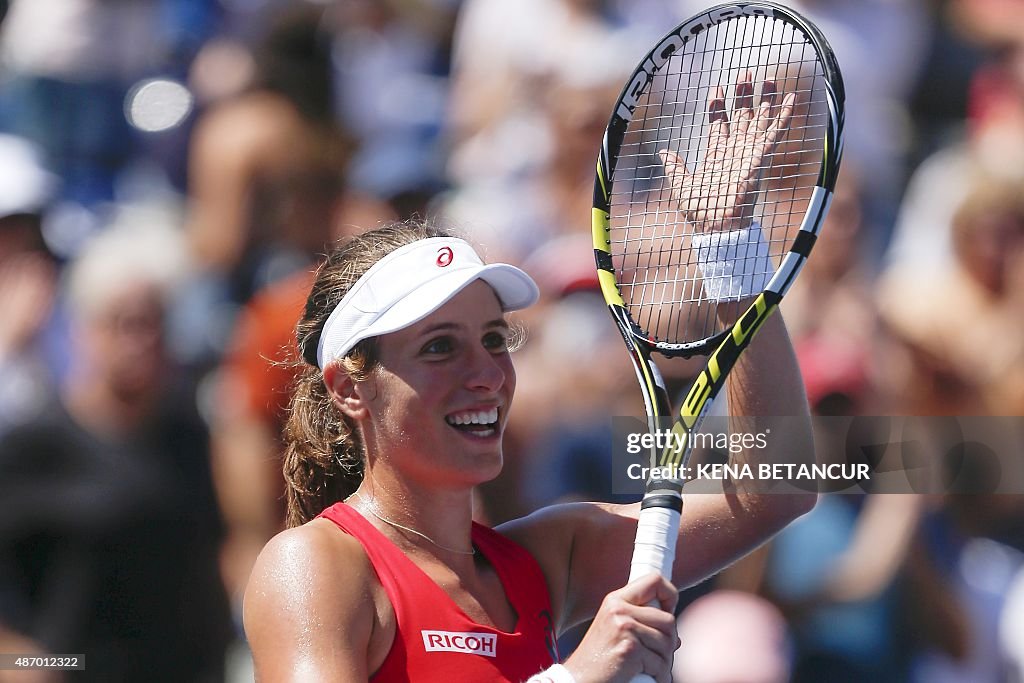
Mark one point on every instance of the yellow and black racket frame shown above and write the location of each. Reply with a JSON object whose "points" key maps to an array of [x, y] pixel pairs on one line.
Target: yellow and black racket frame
{"points": [[724, 348]]}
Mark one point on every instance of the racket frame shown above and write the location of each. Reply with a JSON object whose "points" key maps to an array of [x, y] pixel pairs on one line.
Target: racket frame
{"points": [[661, 508]]}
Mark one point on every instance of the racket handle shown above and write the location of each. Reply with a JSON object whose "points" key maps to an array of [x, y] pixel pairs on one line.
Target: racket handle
{"points": [[655, 546]]}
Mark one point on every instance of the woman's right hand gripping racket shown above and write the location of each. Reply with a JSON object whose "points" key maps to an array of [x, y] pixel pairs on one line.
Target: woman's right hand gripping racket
{"points": [[715, 174]]}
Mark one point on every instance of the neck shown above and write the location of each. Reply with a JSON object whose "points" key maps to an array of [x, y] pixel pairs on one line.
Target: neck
{"points": [[438, 522]]}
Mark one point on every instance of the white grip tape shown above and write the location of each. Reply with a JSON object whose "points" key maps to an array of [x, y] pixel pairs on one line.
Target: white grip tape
{"points": [[655, 547], [654, 550], [554, 674], [734, 264]]}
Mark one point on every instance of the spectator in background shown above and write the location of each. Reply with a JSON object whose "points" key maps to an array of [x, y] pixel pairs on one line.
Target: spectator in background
{"points": [[831, 308], [532, 84], [391, 61], [836, 574], [934, 367], [958, 607], [28, 281], [108, 523], [991, 144], [572, 429], [266, 172], [71, 64], [832, 296], [550, 196], [68, 66]]}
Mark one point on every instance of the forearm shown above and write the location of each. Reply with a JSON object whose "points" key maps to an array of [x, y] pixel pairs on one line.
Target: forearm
{"points": [[766, 391], [766, 397]]}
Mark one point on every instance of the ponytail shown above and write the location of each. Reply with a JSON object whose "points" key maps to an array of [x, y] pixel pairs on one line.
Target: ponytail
{"points": [[323, 459]]}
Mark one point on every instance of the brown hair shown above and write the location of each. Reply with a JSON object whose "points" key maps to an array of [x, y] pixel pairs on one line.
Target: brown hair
{"points": [[323, 459]]}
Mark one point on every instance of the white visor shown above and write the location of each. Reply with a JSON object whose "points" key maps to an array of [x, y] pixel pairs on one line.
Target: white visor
{"points": [[409, 284]]}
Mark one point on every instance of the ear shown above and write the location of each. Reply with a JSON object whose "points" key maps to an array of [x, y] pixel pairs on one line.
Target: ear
{"points": [[346, 392]]}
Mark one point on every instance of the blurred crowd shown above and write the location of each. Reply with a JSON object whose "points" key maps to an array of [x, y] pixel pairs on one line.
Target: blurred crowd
{"points": [[172, 170]]}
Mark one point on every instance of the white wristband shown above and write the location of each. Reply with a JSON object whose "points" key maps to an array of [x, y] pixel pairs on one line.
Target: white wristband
{"points": [[555, 674], [734, 264]]}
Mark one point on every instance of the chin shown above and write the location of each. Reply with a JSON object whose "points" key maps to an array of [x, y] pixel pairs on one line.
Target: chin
{"points": [[484, 467]]}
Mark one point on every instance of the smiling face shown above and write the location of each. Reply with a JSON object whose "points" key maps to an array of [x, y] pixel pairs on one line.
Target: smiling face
{"points": [[436, 404]]}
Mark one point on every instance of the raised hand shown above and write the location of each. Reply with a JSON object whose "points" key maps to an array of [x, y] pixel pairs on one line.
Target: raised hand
{"points": [[719, 194]]}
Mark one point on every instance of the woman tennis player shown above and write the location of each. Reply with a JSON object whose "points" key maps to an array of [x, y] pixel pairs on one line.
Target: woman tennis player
{"points": [[398, 416]]}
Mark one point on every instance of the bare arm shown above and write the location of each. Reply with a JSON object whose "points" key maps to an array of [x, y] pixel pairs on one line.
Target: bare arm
{"points": [[309, 608], [716, 528], [585, 547]]}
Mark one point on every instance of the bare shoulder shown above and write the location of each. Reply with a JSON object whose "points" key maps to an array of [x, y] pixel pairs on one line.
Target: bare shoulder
{"points": [[309, 609], [307, 556]]}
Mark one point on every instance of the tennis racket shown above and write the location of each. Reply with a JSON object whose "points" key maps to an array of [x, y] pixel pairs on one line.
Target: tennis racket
{"points": [[715, 173]]}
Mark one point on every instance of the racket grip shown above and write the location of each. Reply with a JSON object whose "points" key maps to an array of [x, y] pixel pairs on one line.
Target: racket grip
{"points": [[655, 547]]}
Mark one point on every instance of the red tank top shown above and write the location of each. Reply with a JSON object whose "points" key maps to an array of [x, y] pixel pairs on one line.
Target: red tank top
{"points": [[434, 639]]}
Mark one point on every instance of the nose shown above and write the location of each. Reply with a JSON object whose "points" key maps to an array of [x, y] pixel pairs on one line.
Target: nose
{"points": [[485, 371]]}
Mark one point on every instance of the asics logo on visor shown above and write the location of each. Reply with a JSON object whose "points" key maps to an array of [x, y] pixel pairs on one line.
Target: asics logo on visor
{"points": [[444, 257]]}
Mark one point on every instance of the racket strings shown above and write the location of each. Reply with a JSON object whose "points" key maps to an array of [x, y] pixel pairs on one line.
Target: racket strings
{"points": [[657, 268]]}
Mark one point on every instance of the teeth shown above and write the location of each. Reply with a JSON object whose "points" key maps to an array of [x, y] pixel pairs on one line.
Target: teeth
{"points": [[478, 417]]}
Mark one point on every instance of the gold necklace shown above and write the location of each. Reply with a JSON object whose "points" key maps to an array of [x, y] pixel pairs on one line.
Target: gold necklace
{"points": [[370, 508]]}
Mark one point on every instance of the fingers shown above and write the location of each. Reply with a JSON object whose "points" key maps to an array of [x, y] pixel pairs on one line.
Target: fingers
{"points": [[647, 635], [656, 653], [716, 108], [651, 602], [780, 124], [743, 102], [765, 108], [767, 117], [650, 589], [629, 635], [718, 120], [656, 629]]}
